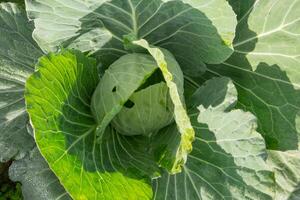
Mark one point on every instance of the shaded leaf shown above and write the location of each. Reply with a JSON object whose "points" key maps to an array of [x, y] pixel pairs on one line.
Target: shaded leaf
{"points": [[228, 157], [265, 68], [38, 181], [18, 54], [205, 29]]}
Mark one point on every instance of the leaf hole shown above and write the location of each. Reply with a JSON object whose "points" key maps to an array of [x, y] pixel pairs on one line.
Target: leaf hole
{"points": [[114, 89], [129, 104]]}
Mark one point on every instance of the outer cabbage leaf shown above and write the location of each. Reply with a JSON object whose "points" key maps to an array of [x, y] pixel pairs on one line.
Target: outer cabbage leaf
{"points": [[174, 80], [58, 97], [265, 68], [18, 54], [287, 173], [228, 157], [38, 181], [205, 29]]}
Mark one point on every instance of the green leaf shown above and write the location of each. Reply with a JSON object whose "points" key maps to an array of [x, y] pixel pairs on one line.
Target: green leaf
{"points": [[287, 173], [18, 54], [38, 181], [204, 29], [228, 157], [166, 146], [152, 110], [265, 68], [58, 97], [174, 79], [117, 85]]}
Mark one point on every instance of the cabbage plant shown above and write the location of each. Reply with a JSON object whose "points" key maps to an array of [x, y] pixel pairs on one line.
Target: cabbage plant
{"points": [[151, 99]]}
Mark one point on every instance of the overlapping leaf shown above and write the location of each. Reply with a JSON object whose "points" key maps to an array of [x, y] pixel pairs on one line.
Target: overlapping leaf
{"points": [[205, 29], [265, 68], [228, 157], [58, 100], [151, 110], [118, 84], [18, 54], [181, 146]]}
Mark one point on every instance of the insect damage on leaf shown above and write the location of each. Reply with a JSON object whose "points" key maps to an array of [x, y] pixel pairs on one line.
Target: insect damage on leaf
{"points": [[140, 100]]}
